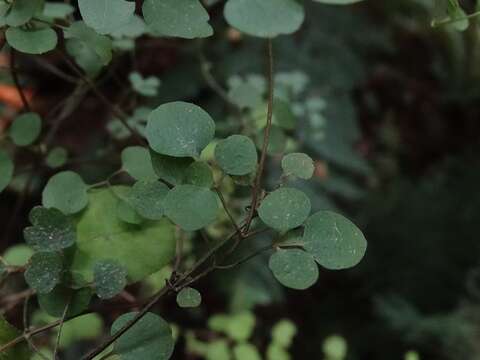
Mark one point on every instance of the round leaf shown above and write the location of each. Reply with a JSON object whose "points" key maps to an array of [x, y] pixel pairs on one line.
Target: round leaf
{"points": [[236, 155], [299, 165], [54, 303], [294, 268], [25, 129], [66, 192], [22, 11], [112, 238], [333, 240], [17, 255], [110, 278], [51, 230], [106, 16], [189, 298], [137, 162], [285, 209], [181, 18], [147, 199], [6, 170], [265, 18], [57, 157], [149, 339], [179, 129], [191, 207], [170, 169], [199, 174], [44, 271], [35, 41]]}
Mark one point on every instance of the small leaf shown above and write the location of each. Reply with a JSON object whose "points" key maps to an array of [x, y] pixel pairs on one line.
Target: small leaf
{"points": [[106, 16], [127, 213], [333, 240], [283, 333], [110, 278], [148, 198], [51, 230], [170, 169], [56, 10], [191, 207], [285, 209], [236, 155], [44, 271], [17, 255], [241, 326], [149, 339], [199, 174], [137, 162], [246, 351], [6, 170], [299, 165], [144, 86], [54, 302], [265, 18], [294, 268], [25, 129], [179, 129], [189, 298], [66, 192], [22, 11], [35, 41], [180, 18], [57, 157]]}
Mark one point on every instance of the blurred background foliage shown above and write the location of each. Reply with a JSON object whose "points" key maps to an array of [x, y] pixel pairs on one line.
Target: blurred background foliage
{"points": [[387, 106]]}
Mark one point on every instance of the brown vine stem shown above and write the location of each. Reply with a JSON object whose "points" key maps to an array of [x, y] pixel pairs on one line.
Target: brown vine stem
{"points": [[266, 137], [13, 71]]}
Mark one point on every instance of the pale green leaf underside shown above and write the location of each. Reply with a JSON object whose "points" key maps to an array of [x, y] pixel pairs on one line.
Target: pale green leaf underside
{"points": [[37, 41], [265, 18]]}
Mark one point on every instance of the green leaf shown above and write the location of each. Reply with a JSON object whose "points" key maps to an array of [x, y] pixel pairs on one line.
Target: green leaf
{"points": [[179, 129], [283, 115], [34, 41], [51, 230], [6, 170], [241, 326], [17, 255], [335, 347], [199, 174], [333, 240], [283, 333], [180, 18], [277, 141], [237, 155], [86, 327], [147, 198], [338, 2], [144, 86], [135, 27], [294, 268], [191, 207], [8, 333], [57, 10], [275, 352], [246, 351], [127, 213], [22, 11], [65, 191], [106, 16], [218, 350], [137, 162], [90, 50], [110, 278], [57, 157], [170, 169], [265, 18], [44, 271], [25, 129], [189, 298], [299, 165], [114, 239], [149, 339], [284, 209], [54, 302]]}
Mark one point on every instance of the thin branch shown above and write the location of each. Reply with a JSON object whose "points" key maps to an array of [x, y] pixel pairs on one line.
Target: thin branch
{"points": [[26, 105], [245, 259], [266, 138], [227, 211], [60, 327]]}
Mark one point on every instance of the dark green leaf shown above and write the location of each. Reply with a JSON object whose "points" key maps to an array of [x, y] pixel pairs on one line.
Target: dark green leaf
{"points": [[236, 155], [294, 268], [199, 174], [147, 198], [22, 11], [137, 162], [44, 271], [57, 157], [170, 169], [54, 302], [66, 192], [333, 240], [299, 165], [34, 41], [110, 278], [6, 170], [25, 129], [149, 339], [51, 230]]}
